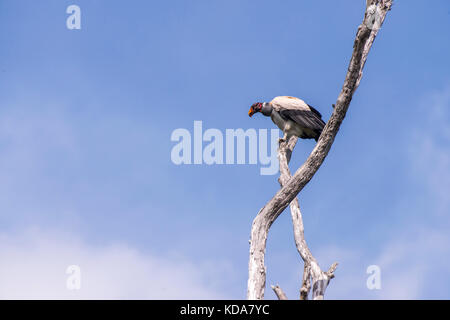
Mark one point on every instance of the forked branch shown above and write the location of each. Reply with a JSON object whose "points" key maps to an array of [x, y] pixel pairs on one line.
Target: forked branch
{"points": [[374, 16]]}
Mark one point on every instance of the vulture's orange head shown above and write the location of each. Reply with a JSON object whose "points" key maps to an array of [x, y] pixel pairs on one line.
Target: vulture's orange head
{"points": [[256, 107]]}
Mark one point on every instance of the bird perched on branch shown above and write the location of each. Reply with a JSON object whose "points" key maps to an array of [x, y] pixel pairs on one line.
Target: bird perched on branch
{"points": [[293, 116]]}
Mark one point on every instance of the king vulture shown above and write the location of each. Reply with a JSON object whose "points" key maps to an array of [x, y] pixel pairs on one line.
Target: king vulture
{"points": [[293, 116]]}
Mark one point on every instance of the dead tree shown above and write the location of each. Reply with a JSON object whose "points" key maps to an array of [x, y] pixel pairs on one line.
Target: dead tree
{"points": [[313, 276]]}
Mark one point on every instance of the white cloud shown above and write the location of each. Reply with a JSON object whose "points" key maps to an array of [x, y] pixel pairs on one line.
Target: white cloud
{"points": [[33, 266], [409, 262], [412, 262]]}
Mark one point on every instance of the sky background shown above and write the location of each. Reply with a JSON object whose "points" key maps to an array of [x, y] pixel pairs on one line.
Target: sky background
{"points": [[86, 176]]}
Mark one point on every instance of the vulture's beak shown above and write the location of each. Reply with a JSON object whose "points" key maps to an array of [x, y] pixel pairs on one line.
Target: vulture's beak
{"points": [[251, 112]]}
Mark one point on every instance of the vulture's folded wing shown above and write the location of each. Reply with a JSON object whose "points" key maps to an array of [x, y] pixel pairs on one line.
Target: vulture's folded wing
{"points": [[310, 119]]}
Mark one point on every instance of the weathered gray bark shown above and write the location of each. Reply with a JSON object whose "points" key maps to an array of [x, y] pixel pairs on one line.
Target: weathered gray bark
{"points": [[374, 16], [312, 271]]}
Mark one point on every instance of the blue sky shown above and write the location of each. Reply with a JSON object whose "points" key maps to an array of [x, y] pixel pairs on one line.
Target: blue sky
{"points": [[85, 123]]}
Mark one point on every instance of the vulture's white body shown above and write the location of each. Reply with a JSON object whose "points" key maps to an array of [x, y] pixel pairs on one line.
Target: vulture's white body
{"points": [[292, 103], [294, 117]]}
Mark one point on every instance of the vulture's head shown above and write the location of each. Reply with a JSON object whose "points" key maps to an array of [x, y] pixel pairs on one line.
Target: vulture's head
{"points": [[256, 107]]}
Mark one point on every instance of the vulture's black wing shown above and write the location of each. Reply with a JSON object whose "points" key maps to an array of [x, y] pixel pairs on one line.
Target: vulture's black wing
{"points": [[305, 118]]}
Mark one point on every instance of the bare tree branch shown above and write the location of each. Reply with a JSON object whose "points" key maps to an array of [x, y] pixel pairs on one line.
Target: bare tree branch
{"points": [[374, 16], [312, 268], [279, 292]]}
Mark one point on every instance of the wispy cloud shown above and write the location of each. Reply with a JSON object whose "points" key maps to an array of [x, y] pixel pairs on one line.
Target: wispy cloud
{"points": [[33, 266]]}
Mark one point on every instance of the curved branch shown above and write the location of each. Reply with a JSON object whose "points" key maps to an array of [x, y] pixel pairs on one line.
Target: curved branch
{"points": [[365, 36]]}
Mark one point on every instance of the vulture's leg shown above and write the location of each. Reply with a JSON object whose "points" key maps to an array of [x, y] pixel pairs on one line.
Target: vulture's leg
{"points": [[284, 139]]}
